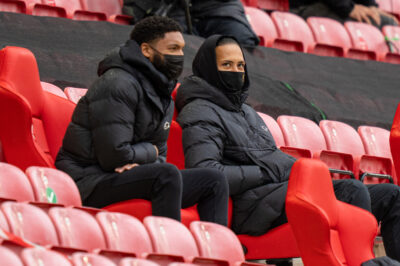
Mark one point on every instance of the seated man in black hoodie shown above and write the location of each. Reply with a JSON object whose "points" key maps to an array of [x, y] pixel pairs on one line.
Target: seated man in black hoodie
{"points": [[221, 132], [115, 147]]}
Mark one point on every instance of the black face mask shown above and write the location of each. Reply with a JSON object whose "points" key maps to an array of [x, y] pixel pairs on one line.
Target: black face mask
{"points": [[233, 81], [170, 65]]}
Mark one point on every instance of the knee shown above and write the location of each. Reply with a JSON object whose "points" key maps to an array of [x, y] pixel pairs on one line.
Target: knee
{"points": [[216, 179], [170, 175]]}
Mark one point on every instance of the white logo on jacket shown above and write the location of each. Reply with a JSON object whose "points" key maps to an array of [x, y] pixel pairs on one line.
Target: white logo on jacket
{"points": [[166, 126]]}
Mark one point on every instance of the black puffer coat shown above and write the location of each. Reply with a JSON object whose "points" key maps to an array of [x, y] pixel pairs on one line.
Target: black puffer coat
{"points": [[126, 111], [232, 138]]}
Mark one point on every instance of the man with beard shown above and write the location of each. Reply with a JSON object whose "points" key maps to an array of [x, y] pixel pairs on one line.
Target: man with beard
{"points": [[115, 147]]}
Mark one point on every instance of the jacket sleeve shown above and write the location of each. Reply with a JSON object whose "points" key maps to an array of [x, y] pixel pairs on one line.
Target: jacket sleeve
{"points": [[203, 144], [112, 119], [342, 7]]}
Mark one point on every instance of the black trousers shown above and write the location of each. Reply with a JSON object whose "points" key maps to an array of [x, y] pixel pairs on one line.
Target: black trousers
{"points": [[168, 189], [382, 200]]}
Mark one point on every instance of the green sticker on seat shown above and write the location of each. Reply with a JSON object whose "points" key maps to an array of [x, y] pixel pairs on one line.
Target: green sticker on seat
{"points": [[51, 195]]}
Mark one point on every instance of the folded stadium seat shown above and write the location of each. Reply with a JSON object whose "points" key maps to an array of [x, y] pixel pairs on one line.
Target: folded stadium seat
{"points": [[111, 8], [53, 89], [252, 3], [43, 257], [281, 5], [175, 154], [303, 134], [392, 36], [368, 38], [42, 8], [274, 128], [9, 258], [218, 242], [32, 121], [138, 262], [30, 223], [262, 26], [74, 10], [341, 137], [395, 140], [295, 30], [14, 184], [328, 231], [88, 259], [331, 37], [75, 94], [14, 6]]}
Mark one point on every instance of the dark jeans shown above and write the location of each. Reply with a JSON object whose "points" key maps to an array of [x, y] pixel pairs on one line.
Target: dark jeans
{"points": [[168, 189], [322, 10], [382, 200]]}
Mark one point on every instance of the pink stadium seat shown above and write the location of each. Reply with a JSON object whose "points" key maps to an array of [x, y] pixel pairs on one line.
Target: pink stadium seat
{"points": [[341, 137], [75, 94], [8, 257], [393, 34], [124, 233], [396, 7], [111, 8], [262, 25], [42, 8], [53, 89], [137, 262], [15, 6], [77, 229], [375, 140], [32, 121], [53, 186], [3, 223], [30, 223], [395, 140], [43, 257], [330, 35], [325, 227], [281, 5], [385, 5], [368, 38], [273, 128], [86, 259], [218, 242], [293, 28], [14, 184]]}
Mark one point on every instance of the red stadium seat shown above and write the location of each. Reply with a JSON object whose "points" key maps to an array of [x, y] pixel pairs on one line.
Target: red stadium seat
{"points": [[124, 233], [328, 231], [42, 8], [175, 153], [252, 3], [74, 10], [395, 140], [75, 94], [8, 257], [14, 184], [262, 26], [274, 128], [294, 29], [53, 186], [86, 259], [111, 8], [330, 35], [43, 257], [15, 6], [281, 5], [392, 33], [30, 223], [77, 229], [137, 262], [341, 137], [53, 89], [368, 38], [32, 121]]}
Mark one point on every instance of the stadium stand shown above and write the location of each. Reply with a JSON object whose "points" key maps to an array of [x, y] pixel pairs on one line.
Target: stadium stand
{"points": [[274, 128], [9, 258], [14, 184], [43, 257], [84, 259], [323, 226], [262, 26]]}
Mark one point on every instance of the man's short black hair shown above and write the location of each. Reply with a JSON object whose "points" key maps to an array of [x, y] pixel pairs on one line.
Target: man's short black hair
{"points": [[152, 28]]}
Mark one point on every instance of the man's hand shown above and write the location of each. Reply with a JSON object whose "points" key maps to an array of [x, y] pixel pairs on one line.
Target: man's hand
{"points": [[155, 147], [364, 14], [126, 167]]}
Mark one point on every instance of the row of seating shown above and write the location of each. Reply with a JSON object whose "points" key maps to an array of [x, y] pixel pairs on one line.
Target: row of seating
{"points": [[97, 10], [326, 37], [390, 6]]}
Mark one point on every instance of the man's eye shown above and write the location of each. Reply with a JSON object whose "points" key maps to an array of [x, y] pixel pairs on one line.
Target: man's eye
{"points": [[241, 65], [226, 64]]}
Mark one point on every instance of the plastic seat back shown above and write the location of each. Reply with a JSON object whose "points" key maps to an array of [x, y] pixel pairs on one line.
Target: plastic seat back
{"points": [[137, 262], [53, 89], [85, 259], [77, 229], [124, 233], [301, 133], [329, 31], [262, 25], [68, 5], [53, 186], [217, 242], [294, 28], [43, 257], [175, 154], [395, 140], [281, 5], [32, 121], [393, 34], [325, 227], [30, 222], [14, 184], [170, 237], [108, 7], [75, 94], [385, 5], [375, 140], [274, 128], [8, 257]]}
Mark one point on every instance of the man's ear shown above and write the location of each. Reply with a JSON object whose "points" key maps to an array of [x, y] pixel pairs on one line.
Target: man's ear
{"points": [[146, 50]]}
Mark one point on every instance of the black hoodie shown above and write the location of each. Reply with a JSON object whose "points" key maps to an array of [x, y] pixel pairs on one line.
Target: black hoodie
{"points": [[217, 133], [126, 111]]}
